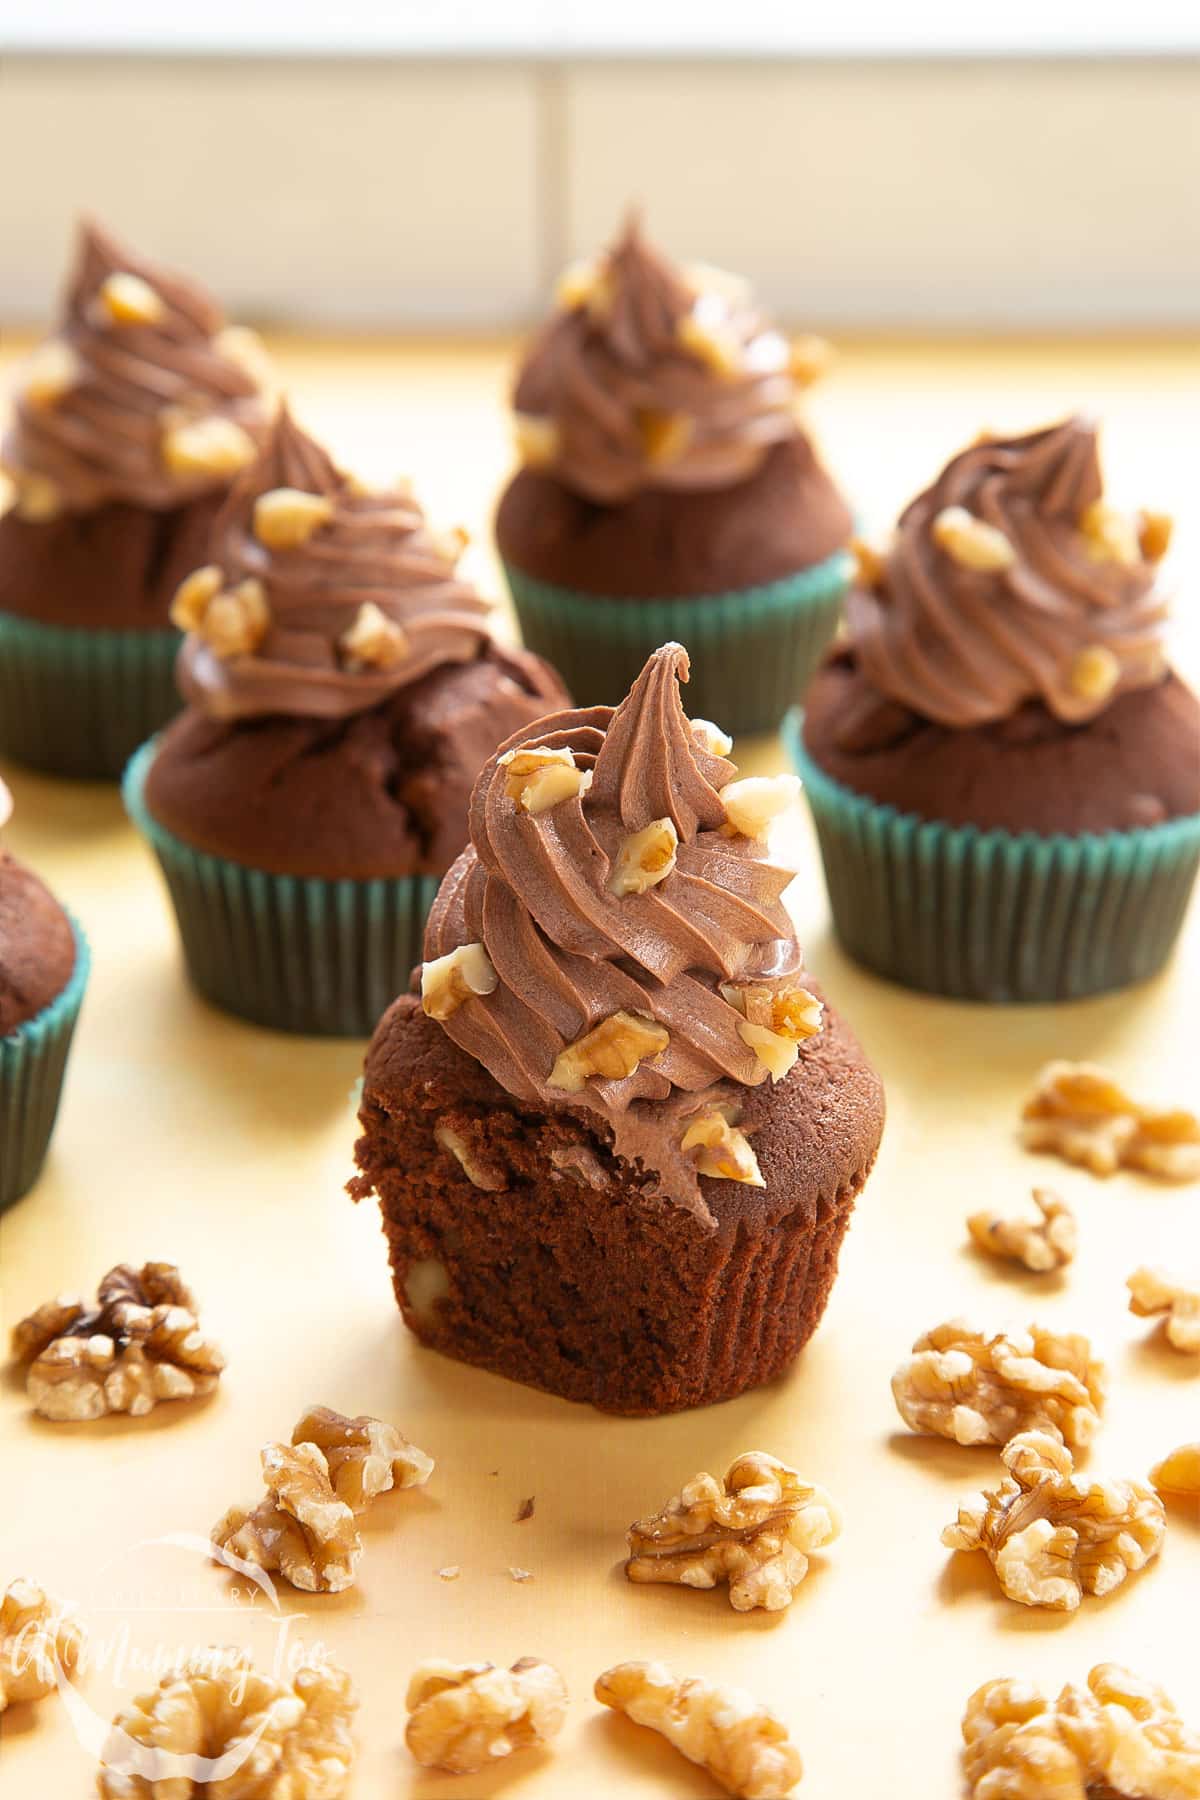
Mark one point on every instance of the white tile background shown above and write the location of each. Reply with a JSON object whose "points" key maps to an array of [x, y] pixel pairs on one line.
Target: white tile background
{"points": [[393, 193]]}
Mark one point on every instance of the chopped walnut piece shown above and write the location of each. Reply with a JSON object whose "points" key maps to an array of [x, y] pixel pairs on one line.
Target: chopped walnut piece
{"points": [[612, 1050], [465, 1716], [576, 284], [36, 1642], [972, 542], [208, 446], [1109, 535], [1153, 1291], [38, 499], [754, 1530], [1053, 1536], [977, 1390], [1178, 1475], [741, 1743], [299, 1528], [1119, 1737], [449, 980], [194, 595], [286, 517], [712, 740], [537, 440], [217, 1728], [365, 1457], [139, 1344], [776, 1021], [243, 347], [754, 803], [232, 621], [125, 299], [491, 1180], [645, 858], [1155, 531], [373, 641], [711, 342], [809, 359], [1079, 1112], [52, 371], [1094, 672], [538, 779], [665, 435], [719, 1149], [870, 563], [1041, 1244]]}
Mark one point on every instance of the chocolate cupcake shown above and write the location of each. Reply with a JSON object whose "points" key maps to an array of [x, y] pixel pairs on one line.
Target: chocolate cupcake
{"points": [[343, 691], [668, 491], [129, 425], [43, 972], [1003, 769], [615, 1139]]}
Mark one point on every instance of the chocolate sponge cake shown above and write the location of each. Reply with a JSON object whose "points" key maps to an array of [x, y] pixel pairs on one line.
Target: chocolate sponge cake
{"points": [[613, 1070]]}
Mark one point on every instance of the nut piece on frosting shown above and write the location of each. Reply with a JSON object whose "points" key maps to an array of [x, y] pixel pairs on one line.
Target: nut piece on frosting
{"points": [[753, 803], [1119, 1736], [1109, 535], [36, 1642], [776, 1021], [138, 1344], [270, 1738], [719, 1149], [125, 299], [754, 1531], [1152, 1292], [365, 1457], [286, 517], [1040, 1244], [971, 541], [612, 1050], [449, 980], [741, 1743], [1053, 1536], [210, 445], [537, 440], [1095, 672], [51, 371], [1155, 531], [538, 779], [464, 1717], [231, 621], [1080, 1113], [300, 1528], [1178, 1475], [974, 1389], [374, 641], [712, 740], [645, 858]]}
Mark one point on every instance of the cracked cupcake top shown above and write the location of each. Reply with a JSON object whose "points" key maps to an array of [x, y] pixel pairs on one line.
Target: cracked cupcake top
{"points": [[615, 936]]}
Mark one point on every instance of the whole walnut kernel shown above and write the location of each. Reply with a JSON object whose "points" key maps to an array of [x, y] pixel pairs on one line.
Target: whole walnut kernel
{"points": [[300, 1528], [36, 1642], [1040, 1244], [1053, 1536], [1153, 1293], [365, 1457], [1118, 1737], [463, 1717], [270, 1740], [1080, 1113], [974, 1389], [754, 1530], [138, 1344], [740, 1742]]}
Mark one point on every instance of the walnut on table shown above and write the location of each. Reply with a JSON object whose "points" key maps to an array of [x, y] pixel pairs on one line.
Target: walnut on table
{"points": [[36, 1641], [463, 1717], [1152, 1292], [140, 1343], [740, 1742], [1119, 1736], [1178, 1475], [222, 1731], [1080, 1113], [1040, 1244], [299, 1529], [366, 1457], [1053, 1536], [754, 1530], [974, 1389]]}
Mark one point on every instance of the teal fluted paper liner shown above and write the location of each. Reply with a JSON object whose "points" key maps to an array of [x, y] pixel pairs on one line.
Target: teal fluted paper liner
{"points": [[79, 702], [991, 915], [752, 650], [33, 1061], [291, 952]]}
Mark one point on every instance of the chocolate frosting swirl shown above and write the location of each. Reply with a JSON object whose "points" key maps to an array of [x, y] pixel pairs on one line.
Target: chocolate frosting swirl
{"points": [[1073, 619], [95, 432], [373, 550], [569, 952], [645, 378]]}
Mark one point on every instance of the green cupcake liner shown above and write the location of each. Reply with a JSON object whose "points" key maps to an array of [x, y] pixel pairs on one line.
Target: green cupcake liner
{"points": [[993, 915], [33, 1061], [752, 650], [79, 702], [292, 952]]}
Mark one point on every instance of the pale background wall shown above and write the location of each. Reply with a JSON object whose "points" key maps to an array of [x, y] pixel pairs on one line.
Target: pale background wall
{"points": [[963, 192]]}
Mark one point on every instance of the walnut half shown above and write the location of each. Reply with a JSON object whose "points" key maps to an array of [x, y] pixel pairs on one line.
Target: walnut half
{"points": [[366, 1457], [740, 1742], [219, 1728], [464, 1717], [299, 1528], [754, 1530], [1053, 1536], [1040, 1244], [963, 1385], [1119, 1736], [1080, 1113], [36, 1642]]}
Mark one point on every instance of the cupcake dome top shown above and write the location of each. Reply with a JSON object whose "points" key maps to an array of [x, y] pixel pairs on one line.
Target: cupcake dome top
{"points": [[615, 937], [1009, 580], [322, 598], [650, 376], [143, 395], [37, 944]]}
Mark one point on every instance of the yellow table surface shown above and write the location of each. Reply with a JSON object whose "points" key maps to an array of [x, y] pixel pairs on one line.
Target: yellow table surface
{"points": [[187, 1136]]}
